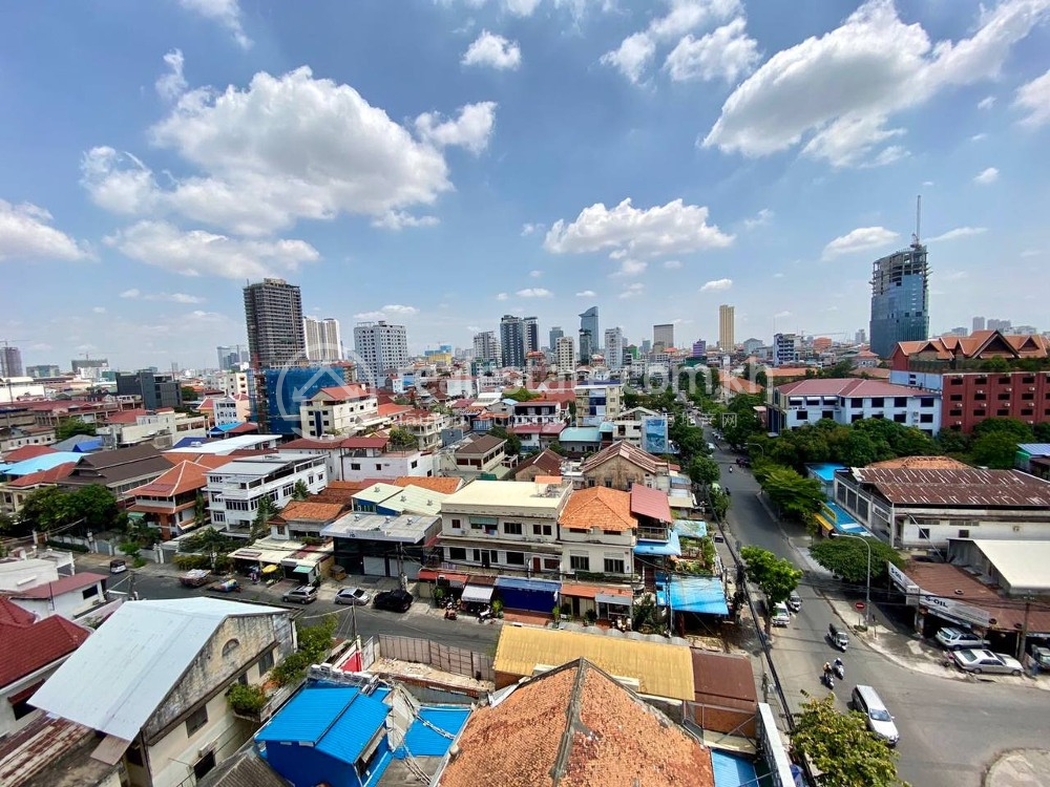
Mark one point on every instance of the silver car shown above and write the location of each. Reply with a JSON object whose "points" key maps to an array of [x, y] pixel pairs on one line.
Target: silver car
{"points": [[355, 596], [980, 660]]}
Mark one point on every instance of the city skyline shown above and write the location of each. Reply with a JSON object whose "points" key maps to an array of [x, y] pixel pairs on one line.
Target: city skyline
{"points": [[650, 159]]}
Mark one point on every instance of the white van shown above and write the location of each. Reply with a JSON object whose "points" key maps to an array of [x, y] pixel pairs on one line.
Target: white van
{"points": [[867, 701], [781, 616]]}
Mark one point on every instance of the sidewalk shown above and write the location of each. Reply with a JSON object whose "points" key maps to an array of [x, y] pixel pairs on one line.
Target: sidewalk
{"points": [[1022, 768]]}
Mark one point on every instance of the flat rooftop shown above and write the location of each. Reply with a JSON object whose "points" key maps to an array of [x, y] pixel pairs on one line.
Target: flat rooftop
{"points": [[264, 464], [1022, 564], [226, 446], [505, 494], [409, 529]]}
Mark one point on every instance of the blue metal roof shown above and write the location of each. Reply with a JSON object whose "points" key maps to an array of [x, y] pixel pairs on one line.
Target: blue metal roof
{"points": [[78, 442], [1035, 449], [607, 426], [357, 725], [422, 740], [670, 548], [704, 595], [825, 471], [732, 770], [38, 463], [580, 434], [224, 427], [844, 523], [540, 585]]}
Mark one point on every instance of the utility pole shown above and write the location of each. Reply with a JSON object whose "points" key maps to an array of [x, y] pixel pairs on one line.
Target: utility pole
{"points": [[1024, 628]]}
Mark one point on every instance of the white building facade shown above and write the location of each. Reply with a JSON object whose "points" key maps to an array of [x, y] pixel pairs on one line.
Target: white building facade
{"points": [[380, 347], [847, 401], [235, 489], [339, 410]]}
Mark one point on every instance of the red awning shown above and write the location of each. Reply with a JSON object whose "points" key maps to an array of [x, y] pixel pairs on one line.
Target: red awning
{"points": [[455, 579]]}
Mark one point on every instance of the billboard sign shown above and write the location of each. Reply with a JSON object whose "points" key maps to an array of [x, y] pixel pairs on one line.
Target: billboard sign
{"points": [[654, 434]]}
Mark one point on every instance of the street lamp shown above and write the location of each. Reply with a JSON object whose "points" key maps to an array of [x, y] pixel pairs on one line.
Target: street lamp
{"points": [[867, 578]]}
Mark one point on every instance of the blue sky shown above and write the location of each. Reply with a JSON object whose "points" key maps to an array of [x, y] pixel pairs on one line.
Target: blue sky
{"points": [[443, 163]]}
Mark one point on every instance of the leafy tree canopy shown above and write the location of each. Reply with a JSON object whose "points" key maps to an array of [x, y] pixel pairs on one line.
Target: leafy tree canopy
{"points": [[703, 470], [522, 395], [403, 440], [93, 507], [995, 450], [798, 498], [300, 491], [513, 447], [776, 576], [68, 427], [848, 557], [1015, 428], [843, 748]]}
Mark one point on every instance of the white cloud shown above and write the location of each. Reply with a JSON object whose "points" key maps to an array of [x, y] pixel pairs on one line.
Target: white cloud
{"points": [[978, 137], [632, 291], [726, 53], [636, 51], [369, 316], [470, 130], [132, 293], [630, 267], [986, 176], [226, 12], [841, 89], [586, 294], [535, 274], [534, 292], [400, 310], [949, 276], [172, 84], [1031, 252], [490, 49], [521, 7], [781, 315], [860, 239], [958, 232], [283, 149], [502, 296], [398, 220], [529, 229], [526, 8], [986, 103], [672, 265], [717, 285], [674, 228], [172, 297], [760, 219], [1034, 99], [26, 233], [200, 253], [98, 309]]}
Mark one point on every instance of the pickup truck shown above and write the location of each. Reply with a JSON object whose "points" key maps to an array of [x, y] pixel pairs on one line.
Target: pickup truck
{"points": [[195, 578]]}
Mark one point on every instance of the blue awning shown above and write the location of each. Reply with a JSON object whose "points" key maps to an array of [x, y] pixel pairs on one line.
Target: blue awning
{"points": [[703, 595], [672, 547], [732, 770], [537, 585]]}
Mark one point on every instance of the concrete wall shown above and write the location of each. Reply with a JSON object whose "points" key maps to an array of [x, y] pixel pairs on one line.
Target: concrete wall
{"points": [[619, 473]]}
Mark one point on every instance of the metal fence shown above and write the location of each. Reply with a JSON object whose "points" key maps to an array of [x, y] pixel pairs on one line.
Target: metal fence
{"points": [[457, 661]]}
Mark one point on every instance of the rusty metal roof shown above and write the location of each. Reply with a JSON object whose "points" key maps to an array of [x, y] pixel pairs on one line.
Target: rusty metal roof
{"points": [[958, 488]]}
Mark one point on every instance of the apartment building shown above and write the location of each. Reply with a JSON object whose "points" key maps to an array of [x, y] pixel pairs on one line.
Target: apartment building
{"points": [[848, 400], [235, 489], [597, 402], [598, 533], [339, 410], [367, 456]]}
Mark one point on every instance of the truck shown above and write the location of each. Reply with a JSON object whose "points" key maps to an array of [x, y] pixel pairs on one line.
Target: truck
{"points": [[195, 578]]}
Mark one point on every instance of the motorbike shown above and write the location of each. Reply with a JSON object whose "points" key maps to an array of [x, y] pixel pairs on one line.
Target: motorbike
{"points": [[839, 669], [829, 680], [450, 613], [485, 614]]}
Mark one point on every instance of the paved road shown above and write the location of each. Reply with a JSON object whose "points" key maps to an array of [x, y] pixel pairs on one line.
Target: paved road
{"points": [[418, 622], [950, 730]]}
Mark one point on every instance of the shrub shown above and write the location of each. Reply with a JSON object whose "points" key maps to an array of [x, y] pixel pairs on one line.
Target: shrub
{"points": [[190, 562], [246, 699], [70, 547]]}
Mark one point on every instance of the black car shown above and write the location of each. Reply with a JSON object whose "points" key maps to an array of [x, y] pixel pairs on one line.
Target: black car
{"points": [[393, 600]]}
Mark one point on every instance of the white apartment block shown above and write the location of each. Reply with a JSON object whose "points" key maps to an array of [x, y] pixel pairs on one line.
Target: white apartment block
{"points": [[598, 402], [628, 426], [339, 410], [846, 401], [380, 348], [323, 339], [565, 356], [234, 383], [614, 346], [358, 458], [425, 426], [235, 489], [162, 428]]}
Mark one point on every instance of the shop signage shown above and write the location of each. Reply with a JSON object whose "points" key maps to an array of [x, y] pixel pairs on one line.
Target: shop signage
{"points": [[955, 610]]}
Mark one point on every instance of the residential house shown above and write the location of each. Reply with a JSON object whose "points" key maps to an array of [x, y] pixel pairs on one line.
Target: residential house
{"points": [[14, 492], [598, 532], [848, 400], [120, 470], [382, 546], [547, 713], [31, 649], [580, 441], [440, 484], [225, 409], [345, 731], [922, 507], [598, 402], [544, 463], [628, 426], [152, 682], [536, 437], [425, 426], [507, 526], [169, 502], [364, 457], [480, 455], [658, 544], [36, 586], [19, 437], [622, 465], [235, 489], [160, 428], [304, 519], [340, 410]]}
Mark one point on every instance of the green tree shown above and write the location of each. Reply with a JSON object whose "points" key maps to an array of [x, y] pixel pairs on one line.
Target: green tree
{"points": [[796, 497], [556, 448], [513, 447], [995, 450], [859, 450], [189, 394], [92, 507], [68, 427], [719, 504], [1014, 427], [267, 510], [703, 470], [848, 557], [842, 747], [200, 510], [403, 440], [300, 491], [522, 394], [1042, 432], [741, 423], [951, 442], [776, 576]]}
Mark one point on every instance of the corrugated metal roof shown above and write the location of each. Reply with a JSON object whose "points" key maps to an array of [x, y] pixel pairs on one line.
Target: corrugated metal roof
{"points": [[958, 488], [116, 680], [1035, 449], [308, 714], [422, 740], [42, 462], [653, 503]]}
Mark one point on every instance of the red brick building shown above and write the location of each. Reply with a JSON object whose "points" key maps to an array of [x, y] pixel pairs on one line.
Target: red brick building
{"points": [[985, 375]]}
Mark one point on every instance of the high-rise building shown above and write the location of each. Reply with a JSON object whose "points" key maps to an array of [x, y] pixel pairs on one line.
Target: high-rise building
{"points": [[586, 346], [273, 312], [589, 323], [726, 328], [860, 337], [663, 337], [786, 348], [43, 371], [978, 324], [380, 348], [89, 368], [900, 299], [232, 356], [565, 356], [699, 349], [556, 333], [531, 328], [1003, 326], [323, 339], [614, 346], [647, 347], [512, 341], [11, 362], [486, 348], [156, 390]]}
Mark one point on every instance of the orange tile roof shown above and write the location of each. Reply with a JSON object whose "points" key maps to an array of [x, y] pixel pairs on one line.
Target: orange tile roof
{"points": [[27, 452], [311, 511], [576, 727], [184, 477], [43, 477], [607, 509], [978, 344], [343, 392], [439, 484], [631, 453]]}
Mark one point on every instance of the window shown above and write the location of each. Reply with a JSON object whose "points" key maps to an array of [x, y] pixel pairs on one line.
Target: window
{"points": [[457, 553], [230, 647], [196, 720], [926, 418], [578, 530], [89, 592], [355, 465], [551, 564], [878, 401], [579, 562], [900, 401], [802, 415], [956, 381], [379, 466], [414, 463], [613, 566], [1003, 412], [980, 397], [613, 533], [457, 524], [828, 414], [1003, 397], [1028, 396], [541, 530], [204, 765], [978, 413], [926, 401], [512, 528], [515, 558], [265, 662], [964, 534], [1004, 380], [924, 534], [900, 418], [856, 404], [957, 412], [856, 417], [955, 398]]}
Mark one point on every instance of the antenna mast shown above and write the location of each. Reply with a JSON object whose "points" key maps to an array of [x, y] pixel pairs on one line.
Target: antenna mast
{"points": [[918, 220]]}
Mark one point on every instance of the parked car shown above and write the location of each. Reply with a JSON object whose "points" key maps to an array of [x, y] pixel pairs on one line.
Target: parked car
{"points": [[838, 637], [118, 566], [355, 596], [951, 638], [978, 660], [304, 594], [794, 601], [1040, 655], [781, 616], [393, 600]]}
